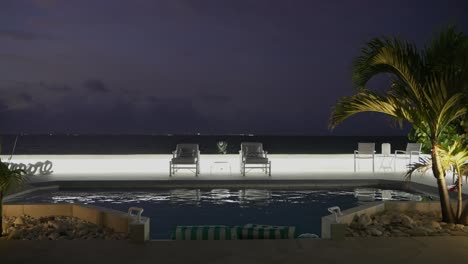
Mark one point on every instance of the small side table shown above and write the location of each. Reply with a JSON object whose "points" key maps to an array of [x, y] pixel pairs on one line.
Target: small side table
{"points": [[220, 166], [386, 161], [386, 154]]}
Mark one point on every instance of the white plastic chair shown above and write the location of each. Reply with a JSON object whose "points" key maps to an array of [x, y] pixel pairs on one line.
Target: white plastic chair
{"points": [[365, 151], [412, 149]]}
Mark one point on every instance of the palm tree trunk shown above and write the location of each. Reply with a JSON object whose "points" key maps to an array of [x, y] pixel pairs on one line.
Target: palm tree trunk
{"points": [[464, 216], [1, 213], [459, 199], [445, 206]]}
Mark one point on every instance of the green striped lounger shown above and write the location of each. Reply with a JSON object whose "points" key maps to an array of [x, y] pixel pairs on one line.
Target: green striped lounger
{"points": [[221, 232], [217, 232], [253, 231]]}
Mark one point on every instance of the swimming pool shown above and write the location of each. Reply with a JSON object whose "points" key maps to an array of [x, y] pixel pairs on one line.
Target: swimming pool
{"points": [[169, 208]]}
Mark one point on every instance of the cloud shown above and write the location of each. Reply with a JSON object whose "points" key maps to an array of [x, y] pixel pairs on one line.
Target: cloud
{"points": [[20, 35], [25, 97], [3, 106], [55, 87], [97, 86], [112, 116], [45, 3], [153, 99], [220, 99]]}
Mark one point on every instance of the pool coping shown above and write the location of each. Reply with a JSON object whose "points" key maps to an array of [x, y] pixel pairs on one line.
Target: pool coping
{"points": [[228, 184]]}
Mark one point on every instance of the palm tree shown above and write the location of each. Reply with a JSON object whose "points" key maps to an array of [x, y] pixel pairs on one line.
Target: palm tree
{"points": [[8, 180], [453, 158], [457, 157], [426, 91]]}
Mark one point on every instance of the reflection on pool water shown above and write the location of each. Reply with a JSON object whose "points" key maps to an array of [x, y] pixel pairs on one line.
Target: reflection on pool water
{"points": [[169, 208]]}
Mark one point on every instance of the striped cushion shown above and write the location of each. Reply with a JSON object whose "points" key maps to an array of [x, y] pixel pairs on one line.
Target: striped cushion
{"points": [[221, 232], [217, 232], [253, 231]]}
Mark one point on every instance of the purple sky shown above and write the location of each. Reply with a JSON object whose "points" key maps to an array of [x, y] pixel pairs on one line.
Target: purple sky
{"points": [[180, 66]]}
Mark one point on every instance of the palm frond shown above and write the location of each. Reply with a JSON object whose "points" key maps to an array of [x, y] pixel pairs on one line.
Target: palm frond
{"points": [[455, 156], [10, 178], [422, 165], [451, 111], [448, 51], [363, 101], [394, 56], [429, 89]]}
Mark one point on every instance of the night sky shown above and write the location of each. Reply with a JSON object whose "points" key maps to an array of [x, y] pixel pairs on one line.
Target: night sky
{"points": [[180, 66]]}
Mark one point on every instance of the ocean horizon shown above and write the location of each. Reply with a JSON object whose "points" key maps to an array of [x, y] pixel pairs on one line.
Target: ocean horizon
{"points": [[165, 144]]}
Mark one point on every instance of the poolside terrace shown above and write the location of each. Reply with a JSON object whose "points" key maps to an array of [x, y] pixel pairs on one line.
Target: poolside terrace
{"points": [[305, 168]]}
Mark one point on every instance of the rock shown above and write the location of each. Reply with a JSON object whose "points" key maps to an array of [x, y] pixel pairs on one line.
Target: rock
{"points": [[434, 225], [459, 226], [81, 226], [374, 231], [50, 223], [385, 220], [54, 236], [55, 228], [450, 226], [30, 236], [19, 221], [5, 226], [15, 234], [36, 228], [60, 226], [419, 231], [364, 220], [406, 220], [82, 232]]}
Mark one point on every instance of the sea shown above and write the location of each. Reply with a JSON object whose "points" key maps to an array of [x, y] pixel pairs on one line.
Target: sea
{"points": [[165, 144]]}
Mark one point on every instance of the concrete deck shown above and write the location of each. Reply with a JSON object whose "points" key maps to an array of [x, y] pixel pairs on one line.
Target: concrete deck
{"points": [[153, 170], [363, 250]]}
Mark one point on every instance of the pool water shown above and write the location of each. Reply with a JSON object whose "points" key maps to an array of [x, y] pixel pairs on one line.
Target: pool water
{"points": [[169, 208]]}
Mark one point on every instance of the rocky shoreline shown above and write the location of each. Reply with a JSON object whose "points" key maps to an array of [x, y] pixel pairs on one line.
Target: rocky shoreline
{"points": [[55, 228], [396, 224]]}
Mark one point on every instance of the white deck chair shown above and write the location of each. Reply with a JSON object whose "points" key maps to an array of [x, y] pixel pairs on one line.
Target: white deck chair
{"points": [[186, 156], [365, 151], [412, 149], [252, 156]]}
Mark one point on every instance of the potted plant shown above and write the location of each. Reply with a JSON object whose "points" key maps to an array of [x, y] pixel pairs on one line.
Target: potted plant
{"points": [[222, 147]]}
